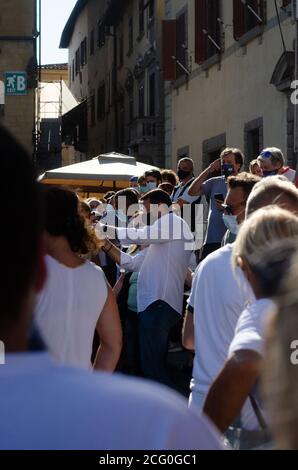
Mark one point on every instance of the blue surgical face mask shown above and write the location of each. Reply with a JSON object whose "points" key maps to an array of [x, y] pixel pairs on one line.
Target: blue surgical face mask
{"points": [[231, 223], [143, 189], [227, 170], [151, 185], [269, 173]]}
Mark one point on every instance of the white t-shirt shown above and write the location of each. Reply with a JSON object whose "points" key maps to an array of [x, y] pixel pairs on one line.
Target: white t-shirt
{"points": [[290, 174], [181, 192], [249, 335], [68, 309], [250, 328], [47, 406], [163, 265], [217, 300]]}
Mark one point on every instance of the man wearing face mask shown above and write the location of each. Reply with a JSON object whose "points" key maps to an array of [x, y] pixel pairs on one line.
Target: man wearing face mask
{"points": [[153, 179], [180, 196], [125, 202], [216, 301], [185, 172], [239, 189], [272, 163], [230, 163], [162, 268]]}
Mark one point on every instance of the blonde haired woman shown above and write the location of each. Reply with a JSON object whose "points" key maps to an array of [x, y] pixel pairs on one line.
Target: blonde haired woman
{"points": [[281, 371], [235, 392]]}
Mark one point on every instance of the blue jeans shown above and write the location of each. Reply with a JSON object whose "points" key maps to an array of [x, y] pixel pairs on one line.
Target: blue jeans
{"points": [[155, 324]]}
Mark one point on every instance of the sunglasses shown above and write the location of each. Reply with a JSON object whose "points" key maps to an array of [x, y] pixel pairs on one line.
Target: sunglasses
{"points": [[227, 208], [266, 154], [230, 209]]}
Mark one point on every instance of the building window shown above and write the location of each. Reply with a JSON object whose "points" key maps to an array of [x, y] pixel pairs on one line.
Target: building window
{"points": [[181, 45], [141, 18], [253, 139], [183, 152], [92, 111], [246, 16], [141, 99], [77, 60], [152, 93], [212, 149], [130, 35], [101, 102], [101, 35], [73, 70], [207, 29], [84, 52], [92, 40], [121, 50]]}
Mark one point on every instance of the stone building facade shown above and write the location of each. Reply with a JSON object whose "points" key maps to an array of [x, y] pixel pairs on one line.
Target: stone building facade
{"points": [[114, 67], [18, 53], [235, 87]]}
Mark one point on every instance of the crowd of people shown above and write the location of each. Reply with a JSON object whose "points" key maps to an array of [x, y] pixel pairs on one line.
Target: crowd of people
{"points": [[97, 286]]}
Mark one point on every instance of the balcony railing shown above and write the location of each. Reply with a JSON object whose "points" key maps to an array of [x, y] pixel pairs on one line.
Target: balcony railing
{"points": [[143, 130]]}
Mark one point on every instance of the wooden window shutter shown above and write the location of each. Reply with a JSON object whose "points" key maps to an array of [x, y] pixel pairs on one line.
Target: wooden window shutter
{"points": [[239, 19], [201, 23], [181, 44], [169, 28]]}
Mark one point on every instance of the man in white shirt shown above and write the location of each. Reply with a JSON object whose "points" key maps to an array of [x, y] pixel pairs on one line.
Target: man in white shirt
{"points": [[185, 172], [162, 271], [216, 301], [44, 405]]}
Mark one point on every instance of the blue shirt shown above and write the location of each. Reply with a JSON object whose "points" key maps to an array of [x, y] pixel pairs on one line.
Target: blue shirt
{"points": [[216, 227]]}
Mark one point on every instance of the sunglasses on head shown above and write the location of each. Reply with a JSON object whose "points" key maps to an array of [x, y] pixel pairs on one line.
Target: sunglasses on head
{"points": [[266, 154]]}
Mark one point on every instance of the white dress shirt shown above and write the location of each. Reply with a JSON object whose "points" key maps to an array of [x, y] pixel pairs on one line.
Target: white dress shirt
{"points": [[163, 265]]}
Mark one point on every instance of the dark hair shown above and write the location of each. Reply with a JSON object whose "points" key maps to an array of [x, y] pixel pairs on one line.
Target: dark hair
{"points": [[157, 196], [20, 244], [109, 195], [64, 219], [243, 180], [130, 194], [169, 176], [154, 173], [239, 157], [84, 207], [141, 179], [167, 187]]}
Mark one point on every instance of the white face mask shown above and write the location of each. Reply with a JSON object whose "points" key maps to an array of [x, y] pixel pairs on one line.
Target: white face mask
{"points": [[231, 223]]}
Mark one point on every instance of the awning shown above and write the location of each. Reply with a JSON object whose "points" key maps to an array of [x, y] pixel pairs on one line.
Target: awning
{"points": [[101, 174]]}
